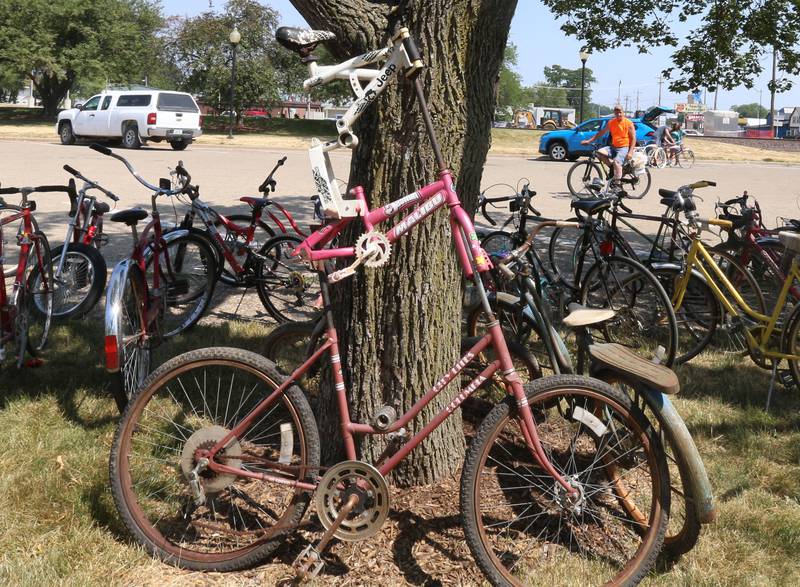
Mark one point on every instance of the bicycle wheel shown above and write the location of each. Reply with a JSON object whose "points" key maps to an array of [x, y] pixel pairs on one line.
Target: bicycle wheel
{"points": [[686, 159], [261, 235], [39, 295], [81, 282], [563, 252], [126, 303], [581, 175], [498, 245], [519, 523], [791, 343], [289, 345], [729, 336], [229, 521], [10, 253], [636, 186], [659, 158], [287, 286], [188, 269], [683, 528], [698, 315], [644, 317]]}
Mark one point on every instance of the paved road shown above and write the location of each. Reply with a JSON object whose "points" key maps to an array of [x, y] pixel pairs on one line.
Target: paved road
{"points": [[226, 173]]}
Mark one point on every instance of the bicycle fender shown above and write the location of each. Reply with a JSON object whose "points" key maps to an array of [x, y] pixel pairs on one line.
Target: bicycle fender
{"points": [[679, 436], [168, 238], [114, 292], [678, 267]]}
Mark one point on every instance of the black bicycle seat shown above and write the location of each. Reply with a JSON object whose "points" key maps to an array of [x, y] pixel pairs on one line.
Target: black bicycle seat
{"points": [[591, 206], [302, 41], [101, 207], [130, 216]]}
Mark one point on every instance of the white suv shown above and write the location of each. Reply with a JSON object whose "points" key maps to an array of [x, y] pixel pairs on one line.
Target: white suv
{"points": [[134, 117]]}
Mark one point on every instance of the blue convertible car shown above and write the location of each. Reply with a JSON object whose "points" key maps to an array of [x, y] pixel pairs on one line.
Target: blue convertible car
{"points": [[566, 144]]}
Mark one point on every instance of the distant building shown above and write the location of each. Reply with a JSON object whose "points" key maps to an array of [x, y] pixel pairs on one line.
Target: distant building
{"points": [[782, 123], [794, 124], [720, 123]]}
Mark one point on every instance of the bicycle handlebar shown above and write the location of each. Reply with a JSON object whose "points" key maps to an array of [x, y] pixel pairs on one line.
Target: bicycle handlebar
{"points": [[158, 190], [30, 190], [89, 184], [269, 184]]}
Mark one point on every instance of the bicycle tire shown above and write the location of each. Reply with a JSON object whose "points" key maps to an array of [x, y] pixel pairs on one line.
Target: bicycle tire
{"points": [[660, 158], [127, 303], [637, 186], [38, 297], [500, 478], [287, 287], [10, 262], [82, 281], [239, 522], [698, 315], [563, 251], [620, 284], [190, 285], [791, 344], [683, 527], [227, 276], [729, 336], [686, 159], [580, 174], [498, 244]]}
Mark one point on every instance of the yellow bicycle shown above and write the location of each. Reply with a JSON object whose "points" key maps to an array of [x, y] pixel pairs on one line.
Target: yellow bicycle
{"points": [[768, 341]]}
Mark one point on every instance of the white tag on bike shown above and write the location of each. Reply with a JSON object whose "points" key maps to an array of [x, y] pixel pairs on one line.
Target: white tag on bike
{"points": [[589, 420], [287, 444]]}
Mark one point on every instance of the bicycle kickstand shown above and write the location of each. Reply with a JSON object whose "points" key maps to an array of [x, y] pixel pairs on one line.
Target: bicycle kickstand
{"points": [[309, 562], [771, 384]]}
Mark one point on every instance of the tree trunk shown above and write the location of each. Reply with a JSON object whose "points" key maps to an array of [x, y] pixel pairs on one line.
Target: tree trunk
{"points": [[53, 90], [399, 325]]}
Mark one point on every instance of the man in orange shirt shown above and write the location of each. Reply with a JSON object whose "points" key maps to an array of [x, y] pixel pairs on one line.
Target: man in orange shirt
{"points": [[623, 140]]}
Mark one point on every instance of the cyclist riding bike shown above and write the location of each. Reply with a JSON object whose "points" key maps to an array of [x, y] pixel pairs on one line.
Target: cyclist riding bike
{"points": [[677, 144], [623, 141]]}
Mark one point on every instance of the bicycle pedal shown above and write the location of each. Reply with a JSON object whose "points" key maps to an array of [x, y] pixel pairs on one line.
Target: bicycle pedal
{"points": [[308, 563]]}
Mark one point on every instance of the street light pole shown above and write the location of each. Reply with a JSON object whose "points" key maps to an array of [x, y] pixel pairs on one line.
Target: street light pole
{"points": [[234, 38], [584, 55]]}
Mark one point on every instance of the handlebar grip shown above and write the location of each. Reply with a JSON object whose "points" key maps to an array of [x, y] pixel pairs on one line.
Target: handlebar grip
{"points": [[51, 188], [282, 160], [567, 224], [534, 210], [9, 190], [100, 149], [71, 170], [413, 57]]}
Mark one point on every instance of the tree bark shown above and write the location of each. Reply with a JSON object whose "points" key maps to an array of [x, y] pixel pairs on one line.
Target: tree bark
{"points": [[53, 90], [399, 325]]}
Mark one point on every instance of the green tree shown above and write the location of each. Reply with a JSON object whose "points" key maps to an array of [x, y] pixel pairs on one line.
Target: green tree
{"points": [[547, 95], [511, 94], [570, 79], [727, 50], [752, 110], [57, 43], [203, 55]]}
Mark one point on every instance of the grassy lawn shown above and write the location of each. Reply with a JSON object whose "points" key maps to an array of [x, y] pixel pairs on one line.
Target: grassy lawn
{"points": [[58, 523]]}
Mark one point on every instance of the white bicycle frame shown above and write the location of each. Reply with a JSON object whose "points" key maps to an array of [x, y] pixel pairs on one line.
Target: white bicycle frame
{"points": [[334, 206]]}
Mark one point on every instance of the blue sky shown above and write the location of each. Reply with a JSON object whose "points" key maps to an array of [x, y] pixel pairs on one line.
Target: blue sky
{"points": [[540, 42]]}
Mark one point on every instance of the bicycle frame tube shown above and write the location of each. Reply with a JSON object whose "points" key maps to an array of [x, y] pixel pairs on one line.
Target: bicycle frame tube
{"points": [[6, 326], [770, 322]]}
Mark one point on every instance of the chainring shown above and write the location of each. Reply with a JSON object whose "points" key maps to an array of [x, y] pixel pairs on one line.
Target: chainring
{"points": [[335, 488], [373, 248], [206, 438]]}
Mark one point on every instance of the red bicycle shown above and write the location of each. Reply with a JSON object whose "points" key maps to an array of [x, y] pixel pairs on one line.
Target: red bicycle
{"points": [[249, 254], [162, 289], [217, 458], [25, 315]]}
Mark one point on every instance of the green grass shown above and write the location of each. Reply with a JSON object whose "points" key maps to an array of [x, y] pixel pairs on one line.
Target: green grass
{"points": [[275, 126], [58, 524], [24, 116]]}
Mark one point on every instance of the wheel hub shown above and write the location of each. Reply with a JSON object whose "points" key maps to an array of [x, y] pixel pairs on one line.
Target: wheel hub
{"points": [[205, 439], [570, 502]]}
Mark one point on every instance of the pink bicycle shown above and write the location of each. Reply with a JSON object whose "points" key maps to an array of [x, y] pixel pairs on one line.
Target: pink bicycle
{"points": [[218, 456]]}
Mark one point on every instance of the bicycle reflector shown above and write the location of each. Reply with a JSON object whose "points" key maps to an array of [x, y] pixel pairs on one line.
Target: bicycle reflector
{"points": [[112, 353], [607, 248]]}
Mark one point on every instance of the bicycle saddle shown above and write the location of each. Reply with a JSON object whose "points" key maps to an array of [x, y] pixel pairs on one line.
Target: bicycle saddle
{"points": [[255, 203], [591, 206], [301, 41], [621, 359], [582, 316], [130, 216], [101, 207]]}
